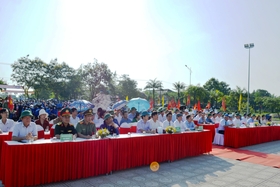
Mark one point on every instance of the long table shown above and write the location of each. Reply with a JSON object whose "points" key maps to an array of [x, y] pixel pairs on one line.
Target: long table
{"points": [[45, 161], [4, 137], [211, 127], [241, 137]]}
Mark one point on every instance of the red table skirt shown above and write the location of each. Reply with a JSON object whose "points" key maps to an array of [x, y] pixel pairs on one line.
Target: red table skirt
{"points": [[241, 137], [34, 164], [4, 137], [212, 129], [190, 144], [139, 151]]}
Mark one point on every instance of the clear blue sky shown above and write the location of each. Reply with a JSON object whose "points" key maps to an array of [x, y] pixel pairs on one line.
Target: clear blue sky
{"points": [[149, 39]]}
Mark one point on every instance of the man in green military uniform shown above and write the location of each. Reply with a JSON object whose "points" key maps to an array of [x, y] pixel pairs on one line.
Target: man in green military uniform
{"points": [[86, 128], [64, 127]]}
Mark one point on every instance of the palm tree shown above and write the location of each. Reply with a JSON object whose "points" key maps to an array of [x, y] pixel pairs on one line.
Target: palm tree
{"points": [[179, 86], [153, 84]]}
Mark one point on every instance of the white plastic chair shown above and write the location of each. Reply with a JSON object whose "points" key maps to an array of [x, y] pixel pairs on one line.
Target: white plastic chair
{"points": [[219, 138], [39, 128], [125, 125]]}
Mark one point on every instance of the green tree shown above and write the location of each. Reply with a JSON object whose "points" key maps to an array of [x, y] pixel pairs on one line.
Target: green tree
{"points": [[234, 96], [215, 95], [127, 87], [259, 96], [3, 83], [153, 84], [28, 73], [214, 84], [58, 75], [272, 104], [98, 77], [197, 93], [179, 86]]}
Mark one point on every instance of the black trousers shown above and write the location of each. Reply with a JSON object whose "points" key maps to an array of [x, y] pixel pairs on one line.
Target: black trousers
{"points": [[221, 132]]}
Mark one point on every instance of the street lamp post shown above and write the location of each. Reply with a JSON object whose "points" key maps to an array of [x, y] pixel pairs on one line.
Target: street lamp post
{"points": [[190, 74], [248, 46]]}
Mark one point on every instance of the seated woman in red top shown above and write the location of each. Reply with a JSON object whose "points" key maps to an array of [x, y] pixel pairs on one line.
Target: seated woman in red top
{"points": [[43, 119]]}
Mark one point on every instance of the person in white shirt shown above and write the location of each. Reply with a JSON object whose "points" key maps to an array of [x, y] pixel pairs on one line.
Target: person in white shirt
{"points": [[161, 115], [186, 113], [154, 122], [229, 122], [223, 124], [179, 123], [263, 120], [6, 124], [218, 118], [237, 121], [244, 119], [74, 120], [98, 119], [118, 116], [25, 130], [174, 115], [213, 118], [196, 118], [168, 121]]}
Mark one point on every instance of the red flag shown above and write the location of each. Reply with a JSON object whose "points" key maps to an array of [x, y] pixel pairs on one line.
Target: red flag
{"points": [[198, 105], [195, 106], [169, 105], [10, 103], [224, 104], [189, 100], [173, 103], [178, 104], [151, 103], [208, 105]]}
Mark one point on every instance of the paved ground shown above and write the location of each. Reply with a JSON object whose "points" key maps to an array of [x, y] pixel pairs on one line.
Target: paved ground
{"points": [[201, 171], [269, 148]]}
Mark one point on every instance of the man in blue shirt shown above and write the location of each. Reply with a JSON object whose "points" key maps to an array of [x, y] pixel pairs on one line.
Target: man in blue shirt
{"points": [[189, 123], [125, 118], [132, 114], [251, 119], [110, 125], [144, 125], [209, 120], [202, 119]]}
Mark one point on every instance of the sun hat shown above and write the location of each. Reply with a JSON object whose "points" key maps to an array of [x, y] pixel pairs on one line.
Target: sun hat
{"points": [[41, 112], [107, 116], [26, 113], [145, 113]]}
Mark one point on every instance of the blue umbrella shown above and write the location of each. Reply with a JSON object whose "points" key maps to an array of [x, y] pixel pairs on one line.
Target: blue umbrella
{"points": [[139, 103], [118, 105], [81, 105]]}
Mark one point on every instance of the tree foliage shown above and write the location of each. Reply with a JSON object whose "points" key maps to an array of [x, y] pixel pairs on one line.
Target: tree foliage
{"points": [[178, 86], [127, 87], [98, 77], [214, 84], [153, 84]]}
